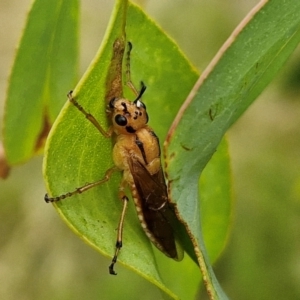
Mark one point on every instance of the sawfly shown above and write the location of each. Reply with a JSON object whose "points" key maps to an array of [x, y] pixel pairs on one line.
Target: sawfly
{"points": [[136, 153]]}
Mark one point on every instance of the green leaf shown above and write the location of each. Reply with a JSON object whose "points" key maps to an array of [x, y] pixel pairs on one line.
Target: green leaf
{"points": [[244, 66], [216, 201], [44, 69], [216, 213], [76, 153]]}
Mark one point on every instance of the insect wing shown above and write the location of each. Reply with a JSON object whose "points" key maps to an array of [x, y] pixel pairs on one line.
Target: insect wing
{"points": [[157, 212]]}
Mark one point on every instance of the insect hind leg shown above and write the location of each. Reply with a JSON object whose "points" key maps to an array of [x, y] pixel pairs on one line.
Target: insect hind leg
{"points": [[83, 188], [119, 242]]}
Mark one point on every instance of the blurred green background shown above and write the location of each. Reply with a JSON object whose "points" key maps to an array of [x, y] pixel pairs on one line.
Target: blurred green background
{"points": [[40, 258]]}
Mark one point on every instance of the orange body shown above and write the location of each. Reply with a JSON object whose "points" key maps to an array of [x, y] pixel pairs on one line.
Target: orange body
{"points": [[137, 153]]}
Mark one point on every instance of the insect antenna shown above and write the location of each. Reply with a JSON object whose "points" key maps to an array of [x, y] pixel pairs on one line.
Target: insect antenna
{"points": [[142, 91]]}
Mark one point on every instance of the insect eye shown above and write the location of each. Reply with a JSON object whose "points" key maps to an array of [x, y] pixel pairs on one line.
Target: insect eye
{"points": [[139, 104], [120, 120], [112, 102]]}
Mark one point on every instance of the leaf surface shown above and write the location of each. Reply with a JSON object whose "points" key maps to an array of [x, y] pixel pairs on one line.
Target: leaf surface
{"points": [[45, 67], [76, 153], [240, 71]]}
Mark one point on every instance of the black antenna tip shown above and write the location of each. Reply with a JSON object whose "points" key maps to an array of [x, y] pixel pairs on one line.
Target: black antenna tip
{"points": [[143, 89]]}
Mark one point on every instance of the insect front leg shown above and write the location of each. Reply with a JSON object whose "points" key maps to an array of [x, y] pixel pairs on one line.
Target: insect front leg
{"points": [[89, 116], [128, 73], [119, 242], [129, 82], [84, 188]]}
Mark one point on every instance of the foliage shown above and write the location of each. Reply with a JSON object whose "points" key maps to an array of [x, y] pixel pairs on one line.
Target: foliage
{"points": [[231, 83]]}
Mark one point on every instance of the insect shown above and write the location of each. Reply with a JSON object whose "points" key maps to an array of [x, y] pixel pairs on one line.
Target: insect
{"points": [[136, 153]]}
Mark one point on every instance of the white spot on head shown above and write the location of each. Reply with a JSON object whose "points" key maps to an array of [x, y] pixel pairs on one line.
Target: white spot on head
{"points": [[138, 103]]}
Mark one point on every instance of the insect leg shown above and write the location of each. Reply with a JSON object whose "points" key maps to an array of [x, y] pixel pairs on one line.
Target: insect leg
{"points": [[120, 229], [128, 76], [84, 188], [128, 73], [90, 117]]}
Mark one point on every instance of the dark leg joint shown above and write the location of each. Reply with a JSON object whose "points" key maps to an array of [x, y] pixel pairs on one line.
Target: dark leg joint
{"points": [[125, 198], [58, 198], [111, 267], [129, 46], [119, 244], [47, 199], [69, 95], [54, 199]]}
